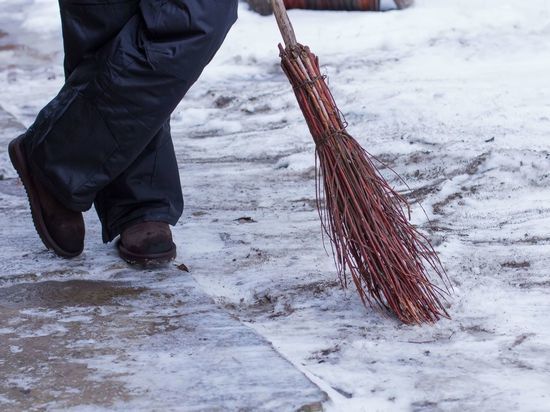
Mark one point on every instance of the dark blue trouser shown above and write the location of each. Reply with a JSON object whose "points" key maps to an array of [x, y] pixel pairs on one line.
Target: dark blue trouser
{"points": [[105, 138]]}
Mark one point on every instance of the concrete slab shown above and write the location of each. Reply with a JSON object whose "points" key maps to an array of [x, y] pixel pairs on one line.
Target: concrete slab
{"points": [[157, 343]]}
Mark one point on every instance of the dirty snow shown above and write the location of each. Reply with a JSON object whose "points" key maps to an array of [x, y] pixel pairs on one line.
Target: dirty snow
{"points": [[452, 94]]}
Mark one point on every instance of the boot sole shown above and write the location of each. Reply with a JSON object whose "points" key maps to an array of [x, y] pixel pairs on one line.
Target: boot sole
{"points": [[19, 162], [150, 260]]}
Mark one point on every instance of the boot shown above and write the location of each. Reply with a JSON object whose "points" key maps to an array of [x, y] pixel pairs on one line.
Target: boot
{"points": [[61, 229], [147, 244]]}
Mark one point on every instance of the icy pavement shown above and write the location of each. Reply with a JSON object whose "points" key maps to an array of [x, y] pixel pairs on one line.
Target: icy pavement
{"points": [[124, 344], [454, 95]]}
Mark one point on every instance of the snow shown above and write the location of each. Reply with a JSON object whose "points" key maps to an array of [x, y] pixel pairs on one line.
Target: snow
{"points": [[452, 94]]}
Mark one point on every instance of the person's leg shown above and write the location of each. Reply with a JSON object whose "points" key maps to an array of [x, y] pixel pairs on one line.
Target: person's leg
{"points": [[116, 101], [87, 25], [149, 189]]}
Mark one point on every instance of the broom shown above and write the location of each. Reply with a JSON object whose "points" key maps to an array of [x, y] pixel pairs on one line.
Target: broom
{"points": [[371, 237]]}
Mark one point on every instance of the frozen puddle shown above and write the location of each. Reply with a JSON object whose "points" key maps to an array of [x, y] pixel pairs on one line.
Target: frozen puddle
{"points": [[119, 344]]}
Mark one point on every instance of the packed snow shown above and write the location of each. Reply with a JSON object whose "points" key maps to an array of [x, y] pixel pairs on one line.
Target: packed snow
{"points": [[454, 95]]}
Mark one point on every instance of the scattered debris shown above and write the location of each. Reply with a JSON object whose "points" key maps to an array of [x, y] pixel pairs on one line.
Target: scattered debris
{"points": [[245, 219], [520, 339], [516, 265], [183, 267], [223, 101]]}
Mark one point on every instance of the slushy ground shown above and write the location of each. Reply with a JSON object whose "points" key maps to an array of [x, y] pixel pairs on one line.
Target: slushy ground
{"points": [[452, 94]]}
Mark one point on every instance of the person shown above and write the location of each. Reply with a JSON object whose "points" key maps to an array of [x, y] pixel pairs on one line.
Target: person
{"points": [[104, 140]]}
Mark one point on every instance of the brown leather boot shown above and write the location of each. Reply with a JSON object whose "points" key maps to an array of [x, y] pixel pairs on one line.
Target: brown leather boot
{"points": [[147, 244], [61, 229]]}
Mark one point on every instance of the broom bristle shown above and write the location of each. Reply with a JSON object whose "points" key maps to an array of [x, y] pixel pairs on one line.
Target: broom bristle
{"points": [[371, 236]]}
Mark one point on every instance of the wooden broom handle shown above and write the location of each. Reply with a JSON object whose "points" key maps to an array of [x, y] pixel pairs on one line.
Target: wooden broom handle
{"points": [[285, 26]]}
